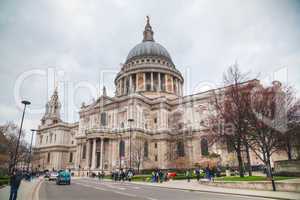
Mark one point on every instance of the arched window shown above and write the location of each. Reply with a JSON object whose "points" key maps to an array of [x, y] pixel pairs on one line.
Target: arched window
{"points": [[180, 149], [204, 147], [122, 149], [146, 149], [103, 119]]}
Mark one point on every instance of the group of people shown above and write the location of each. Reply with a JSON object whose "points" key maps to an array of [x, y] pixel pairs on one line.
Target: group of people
{"points": [[158, 176], [122, 175], [209, 173]]}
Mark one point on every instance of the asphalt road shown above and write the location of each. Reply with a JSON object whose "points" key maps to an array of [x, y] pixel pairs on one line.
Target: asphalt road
{"points": [[87, 189]]}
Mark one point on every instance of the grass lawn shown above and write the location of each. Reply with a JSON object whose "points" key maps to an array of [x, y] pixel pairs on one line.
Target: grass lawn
{"points": [[251, 178], [4, 180]]}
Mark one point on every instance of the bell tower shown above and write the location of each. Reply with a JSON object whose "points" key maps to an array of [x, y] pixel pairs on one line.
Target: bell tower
{"points": [[52, 113]]}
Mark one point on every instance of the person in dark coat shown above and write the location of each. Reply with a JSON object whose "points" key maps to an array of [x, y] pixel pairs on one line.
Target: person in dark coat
{"points": [[197, 172], [15, 181]]}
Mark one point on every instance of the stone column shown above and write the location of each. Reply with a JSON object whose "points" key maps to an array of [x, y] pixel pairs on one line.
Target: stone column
{"points": [[151, 81], [94, 155], [144, 77], [102, 154], [159, 84], [88, 145], [77, 156], [130, 85]]}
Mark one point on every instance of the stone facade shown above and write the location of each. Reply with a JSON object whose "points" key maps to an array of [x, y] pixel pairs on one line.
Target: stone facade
{"points": [[147, 124]]}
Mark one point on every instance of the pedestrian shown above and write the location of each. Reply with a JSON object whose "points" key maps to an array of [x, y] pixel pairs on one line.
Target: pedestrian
{"points": [[197, 173], [153, 176], [129, 175], [161, 176], [188, 175], [99, 176], [207, 173], [15, 181], [123, 175], [157, 176]]}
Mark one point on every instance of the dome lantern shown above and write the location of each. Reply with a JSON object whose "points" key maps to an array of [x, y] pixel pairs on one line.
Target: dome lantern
{"points": [[148, 33]]}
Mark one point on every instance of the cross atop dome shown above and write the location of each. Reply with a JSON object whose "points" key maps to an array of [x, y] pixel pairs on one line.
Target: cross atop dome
{"points": [[148, 33]]}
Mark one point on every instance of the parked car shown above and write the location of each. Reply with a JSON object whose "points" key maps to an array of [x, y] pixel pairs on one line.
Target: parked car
{"points": [[53, 176], [47, 175], [171, 175], [64, 177]]}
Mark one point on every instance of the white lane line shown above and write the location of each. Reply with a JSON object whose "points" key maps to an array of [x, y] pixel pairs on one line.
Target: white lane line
{"points": [[122, 193], [90, 186], [126, 194], [150, 198]]}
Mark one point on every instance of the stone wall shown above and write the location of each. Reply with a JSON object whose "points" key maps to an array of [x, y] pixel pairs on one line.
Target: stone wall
{"points": [[287, 167]]}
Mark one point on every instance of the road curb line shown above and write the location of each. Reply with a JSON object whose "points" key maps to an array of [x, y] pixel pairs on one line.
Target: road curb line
{"points": [[35, 193], [235, 194]]}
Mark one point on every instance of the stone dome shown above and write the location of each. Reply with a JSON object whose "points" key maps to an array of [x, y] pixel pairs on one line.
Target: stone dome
{"points": [[148, 48]]}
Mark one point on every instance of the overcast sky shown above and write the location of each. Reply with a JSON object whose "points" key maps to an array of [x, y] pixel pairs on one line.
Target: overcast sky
{"points": [[79, 40]]}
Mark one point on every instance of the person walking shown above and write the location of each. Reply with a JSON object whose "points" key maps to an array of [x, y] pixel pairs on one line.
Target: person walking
{"points": [[207, 173], [15, 181], [188, 175], [129, 175], [123, 175], [161, 176], [153, 177], [197, 173]]}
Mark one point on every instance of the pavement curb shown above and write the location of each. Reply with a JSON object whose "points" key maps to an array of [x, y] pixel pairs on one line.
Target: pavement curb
{"points": [[35, 192], [216, 192]]}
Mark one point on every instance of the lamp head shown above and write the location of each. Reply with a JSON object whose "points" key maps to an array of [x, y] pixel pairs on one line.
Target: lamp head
{"points": [[26, 102]]}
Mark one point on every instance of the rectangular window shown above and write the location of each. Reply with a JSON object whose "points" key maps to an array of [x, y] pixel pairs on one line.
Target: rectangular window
{"points": [[155, 145], [156, 158], [48, 157], [84, 151], [71, 157]]}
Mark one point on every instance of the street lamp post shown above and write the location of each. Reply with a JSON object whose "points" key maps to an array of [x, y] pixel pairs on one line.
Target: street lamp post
{"points": [[130, 121], [29, 158], [20, 131]]}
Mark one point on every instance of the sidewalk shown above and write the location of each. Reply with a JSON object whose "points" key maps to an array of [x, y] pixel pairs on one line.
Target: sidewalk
{"points": [[195, 186], [26, 190]]}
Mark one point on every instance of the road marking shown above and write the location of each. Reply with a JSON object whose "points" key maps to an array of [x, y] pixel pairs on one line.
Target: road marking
{"points": [[124, 193], [90, 186], [150, 198]]}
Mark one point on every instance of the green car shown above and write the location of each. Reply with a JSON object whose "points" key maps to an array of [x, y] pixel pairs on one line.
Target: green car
{"points": [[64, 177]]}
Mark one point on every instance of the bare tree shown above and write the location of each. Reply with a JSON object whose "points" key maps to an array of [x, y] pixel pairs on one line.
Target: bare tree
{"points": [[230, 105], [137, 152], [268, 122], [293, 121], [10, 132]]}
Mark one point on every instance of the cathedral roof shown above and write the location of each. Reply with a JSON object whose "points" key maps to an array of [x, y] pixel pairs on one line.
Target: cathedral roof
{"points": [[148, 47]]}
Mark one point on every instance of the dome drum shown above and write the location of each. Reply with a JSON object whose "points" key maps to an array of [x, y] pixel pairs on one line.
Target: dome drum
{"points": [[149, 69]]}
